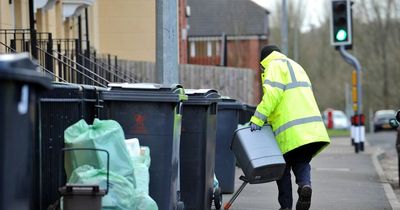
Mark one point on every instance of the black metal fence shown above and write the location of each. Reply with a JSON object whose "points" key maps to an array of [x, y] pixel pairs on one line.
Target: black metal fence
{"points": [[64, 59]]}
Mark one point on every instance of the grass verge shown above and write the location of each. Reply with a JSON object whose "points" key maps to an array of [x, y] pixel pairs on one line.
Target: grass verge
{"points": [[338, 133]]}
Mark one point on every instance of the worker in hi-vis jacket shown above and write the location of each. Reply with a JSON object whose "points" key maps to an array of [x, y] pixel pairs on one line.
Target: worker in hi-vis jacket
{"points": [[289, 106]]}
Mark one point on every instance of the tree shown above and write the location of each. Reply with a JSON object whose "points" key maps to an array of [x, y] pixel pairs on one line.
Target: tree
{"points": [[376, 32]]}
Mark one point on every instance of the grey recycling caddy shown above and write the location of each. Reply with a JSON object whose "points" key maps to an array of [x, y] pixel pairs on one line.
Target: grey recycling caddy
{"points": [[258, 154], [259, 157]]}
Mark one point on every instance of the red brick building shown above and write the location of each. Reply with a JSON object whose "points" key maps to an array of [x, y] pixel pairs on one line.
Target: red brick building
{"points": [[223, 33]]}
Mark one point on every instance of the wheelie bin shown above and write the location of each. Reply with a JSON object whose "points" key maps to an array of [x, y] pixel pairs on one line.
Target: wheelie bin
{"points": [[227, 123], [246, 114], [152, 113], [20, 85], [58, 109], [198, 136]]}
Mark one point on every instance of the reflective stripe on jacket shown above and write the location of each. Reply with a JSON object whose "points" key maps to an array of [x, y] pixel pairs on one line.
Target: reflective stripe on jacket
{"points": [[288, 104]]}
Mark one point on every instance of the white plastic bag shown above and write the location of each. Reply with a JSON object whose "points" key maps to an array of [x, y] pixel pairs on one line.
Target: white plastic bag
{"points": [[141, 163]]}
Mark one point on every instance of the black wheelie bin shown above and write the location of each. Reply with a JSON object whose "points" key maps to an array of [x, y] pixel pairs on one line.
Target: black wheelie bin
{"points": [[227, 122], [152, 113], [20, 85], [199, 125], [246, 114], [58, 109]]}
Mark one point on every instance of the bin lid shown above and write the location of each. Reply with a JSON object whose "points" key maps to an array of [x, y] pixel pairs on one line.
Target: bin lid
{"points": [[92, 87], [70, 92], [61, 90], [202, 96], [20, 67], [230, 103], [144, 92], [249, 107], [91, 92], [66, 86], [126, 85]]}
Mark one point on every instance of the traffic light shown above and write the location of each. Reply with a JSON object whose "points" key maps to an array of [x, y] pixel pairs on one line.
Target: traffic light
{"points": [[341, 20]]}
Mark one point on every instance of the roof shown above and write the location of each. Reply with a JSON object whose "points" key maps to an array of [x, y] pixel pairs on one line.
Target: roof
{"points": [[232, 17]]}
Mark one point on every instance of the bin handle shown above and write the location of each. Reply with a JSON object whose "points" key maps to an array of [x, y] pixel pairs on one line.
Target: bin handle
{"points": [[93, 149], [24, 103], [213, 108], [98, 105], [179, 110]]}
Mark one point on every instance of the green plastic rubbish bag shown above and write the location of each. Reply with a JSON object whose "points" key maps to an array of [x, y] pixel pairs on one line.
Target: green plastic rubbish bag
{"points": [[103, 134], [121, 194]]}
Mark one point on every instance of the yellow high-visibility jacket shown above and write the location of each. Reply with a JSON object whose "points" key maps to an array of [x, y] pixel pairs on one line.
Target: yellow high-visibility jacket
{"points": [[289, 106]]}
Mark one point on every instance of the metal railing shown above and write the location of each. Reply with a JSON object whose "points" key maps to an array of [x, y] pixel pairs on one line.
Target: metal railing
{"points": [[99, 61], [64, 59], [10, 50], [77, 72]]}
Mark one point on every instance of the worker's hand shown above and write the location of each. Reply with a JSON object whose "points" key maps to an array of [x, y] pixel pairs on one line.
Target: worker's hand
{"points": [[254, 127]]}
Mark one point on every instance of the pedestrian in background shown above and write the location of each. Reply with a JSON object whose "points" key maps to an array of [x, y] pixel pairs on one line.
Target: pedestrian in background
{"points": [[289, 106]]}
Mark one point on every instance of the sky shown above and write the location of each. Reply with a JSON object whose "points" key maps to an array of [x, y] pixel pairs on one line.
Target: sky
{"points": [[314, 10]]}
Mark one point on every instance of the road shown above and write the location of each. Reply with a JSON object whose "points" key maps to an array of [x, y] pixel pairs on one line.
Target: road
{"points": [[384, 139]]}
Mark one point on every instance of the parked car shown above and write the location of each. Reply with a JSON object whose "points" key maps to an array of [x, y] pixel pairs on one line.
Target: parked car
{"points": [[382, 118], [338, 119]]}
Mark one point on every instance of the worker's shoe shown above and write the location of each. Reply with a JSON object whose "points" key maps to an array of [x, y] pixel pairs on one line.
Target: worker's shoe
{"points": [[285, 209], [304, 201]]}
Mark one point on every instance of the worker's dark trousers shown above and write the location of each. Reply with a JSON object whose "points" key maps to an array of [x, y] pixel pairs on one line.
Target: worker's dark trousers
{"points": [[301, 170]]}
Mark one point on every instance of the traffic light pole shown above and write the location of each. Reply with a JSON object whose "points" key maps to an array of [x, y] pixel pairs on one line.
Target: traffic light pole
{"points": [[359, 129]]}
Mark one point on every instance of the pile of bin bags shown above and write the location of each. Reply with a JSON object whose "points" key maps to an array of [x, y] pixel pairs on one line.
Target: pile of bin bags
{"points": [[129, 164]]}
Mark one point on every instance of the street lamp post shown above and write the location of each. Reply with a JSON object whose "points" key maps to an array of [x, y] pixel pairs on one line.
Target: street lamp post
{"points": [[167, 71]]}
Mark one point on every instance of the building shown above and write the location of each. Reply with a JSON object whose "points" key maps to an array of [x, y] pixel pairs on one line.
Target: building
{"points": [[244, 23], [83, 40], [227, 33], [124, 28]]}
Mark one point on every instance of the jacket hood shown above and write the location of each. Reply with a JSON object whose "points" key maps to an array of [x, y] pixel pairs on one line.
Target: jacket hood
{"points": [[274, 55]]}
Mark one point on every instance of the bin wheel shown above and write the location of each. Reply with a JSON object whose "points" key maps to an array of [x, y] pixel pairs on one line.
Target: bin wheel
{"points": [[218, 198], [180, 206]]}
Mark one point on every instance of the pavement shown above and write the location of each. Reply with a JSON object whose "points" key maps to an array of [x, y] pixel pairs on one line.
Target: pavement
{"points": [[388, 160], [341, 179]]}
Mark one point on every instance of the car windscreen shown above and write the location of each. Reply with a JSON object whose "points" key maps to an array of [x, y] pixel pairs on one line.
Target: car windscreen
{"points": [[385, 116]]}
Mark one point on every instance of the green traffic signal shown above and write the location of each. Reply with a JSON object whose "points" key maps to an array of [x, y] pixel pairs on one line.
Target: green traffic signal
{"points": [[341, 35]]}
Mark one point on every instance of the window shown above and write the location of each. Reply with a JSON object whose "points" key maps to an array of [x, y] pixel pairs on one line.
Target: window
{"points": [[217, 48], [209, 49], [192, 49]]}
